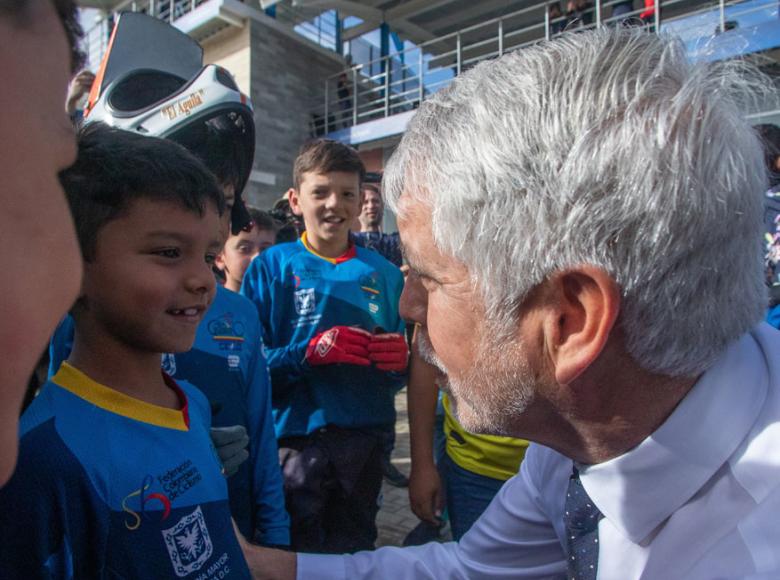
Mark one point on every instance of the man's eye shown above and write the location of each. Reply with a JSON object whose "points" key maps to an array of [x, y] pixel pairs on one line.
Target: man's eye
{"points": [[168, 252], [210, 258]]}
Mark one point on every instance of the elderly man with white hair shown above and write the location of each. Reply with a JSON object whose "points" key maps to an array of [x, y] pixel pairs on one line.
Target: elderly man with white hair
{"points": [[581, 220]]}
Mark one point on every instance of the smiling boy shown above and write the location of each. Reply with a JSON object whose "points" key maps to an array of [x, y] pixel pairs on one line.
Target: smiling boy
{"points": [[329, 312], [117, 475]]}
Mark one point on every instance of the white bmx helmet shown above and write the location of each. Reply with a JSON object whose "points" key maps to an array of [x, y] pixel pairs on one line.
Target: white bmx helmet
{"points": [[152, 81]]}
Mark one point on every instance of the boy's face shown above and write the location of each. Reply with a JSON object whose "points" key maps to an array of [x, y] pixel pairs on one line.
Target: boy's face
{"points": [[329, 203], [39, 238], [150, 282], [240, 250]]}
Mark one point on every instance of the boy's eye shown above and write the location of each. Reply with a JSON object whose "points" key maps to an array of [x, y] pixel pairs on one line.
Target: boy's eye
{"points": [[210, 258], [168, 252]]}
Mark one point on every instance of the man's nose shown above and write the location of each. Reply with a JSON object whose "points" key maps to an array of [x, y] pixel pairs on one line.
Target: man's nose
{"points": [[413, 305]]}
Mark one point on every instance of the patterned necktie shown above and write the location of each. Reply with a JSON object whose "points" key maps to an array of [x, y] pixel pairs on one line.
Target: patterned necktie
{"points": [[581, 517]]}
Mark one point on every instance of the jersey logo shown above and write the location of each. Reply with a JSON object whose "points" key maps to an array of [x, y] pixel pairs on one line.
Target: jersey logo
{"points": [[169, 364], [134, 521], [189, 544], [305, 302], [369, 283], [227, 331]]}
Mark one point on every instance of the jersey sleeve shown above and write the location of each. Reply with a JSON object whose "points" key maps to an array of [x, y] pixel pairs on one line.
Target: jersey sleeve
{"points": [[50, 527], [286, 363], [272, 523]]}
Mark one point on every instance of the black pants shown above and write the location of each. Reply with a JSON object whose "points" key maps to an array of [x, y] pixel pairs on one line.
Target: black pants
{"points": [[332, 480]]}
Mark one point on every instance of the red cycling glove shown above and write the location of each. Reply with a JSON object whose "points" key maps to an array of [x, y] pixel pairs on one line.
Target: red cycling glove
{"points": [[340, 344], [389, 352]]}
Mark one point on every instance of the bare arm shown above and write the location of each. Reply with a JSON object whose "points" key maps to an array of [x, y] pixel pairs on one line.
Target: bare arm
{"points": [[425, 495], [267, 563]]}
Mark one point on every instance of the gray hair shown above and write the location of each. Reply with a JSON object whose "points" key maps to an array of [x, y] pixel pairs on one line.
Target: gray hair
{"points": [[608, 148]]}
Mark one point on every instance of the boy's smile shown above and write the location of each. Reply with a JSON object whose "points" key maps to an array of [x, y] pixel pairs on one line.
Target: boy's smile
{"points": [[329, 203], [151, 281]]}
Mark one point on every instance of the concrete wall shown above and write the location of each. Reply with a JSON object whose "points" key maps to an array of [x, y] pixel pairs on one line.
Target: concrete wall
{"points": [[284, 75], [230, 49], [287, 79]]}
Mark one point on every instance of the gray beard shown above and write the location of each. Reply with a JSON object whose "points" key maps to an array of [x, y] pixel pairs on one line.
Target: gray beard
{"points": [[491, 396]]}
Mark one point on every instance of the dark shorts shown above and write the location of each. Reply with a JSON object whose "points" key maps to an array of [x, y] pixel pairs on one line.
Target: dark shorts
{"points": [[332, 481]]}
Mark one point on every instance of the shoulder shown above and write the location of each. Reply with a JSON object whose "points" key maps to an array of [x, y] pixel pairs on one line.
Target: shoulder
{"points": [[197, 403], [379, 263], [280, 252], [275, 259], [42, 409], [228, 300], [43, 449]]}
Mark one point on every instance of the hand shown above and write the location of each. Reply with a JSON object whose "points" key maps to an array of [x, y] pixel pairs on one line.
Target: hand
{"points": [[230, 443], [389, 352], [79, 86], [425, 494], [340, 344], [266, 563]]}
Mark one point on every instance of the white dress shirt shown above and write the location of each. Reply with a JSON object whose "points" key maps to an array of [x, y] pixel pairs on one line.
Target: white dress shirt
{"points": [[698, 499]]}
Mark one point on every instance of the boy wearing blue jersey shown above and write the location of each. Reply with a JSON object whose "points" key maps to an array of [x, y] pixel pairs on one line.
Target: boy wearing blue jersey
{"points": [[329, 312], [117, 475], [227, 363]]}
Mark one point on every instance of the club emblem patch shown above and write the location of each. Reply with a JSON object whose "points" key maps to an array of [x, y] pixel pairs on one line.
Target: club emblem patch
{"points": [[169, 364], [189, 544], [304, 301]]}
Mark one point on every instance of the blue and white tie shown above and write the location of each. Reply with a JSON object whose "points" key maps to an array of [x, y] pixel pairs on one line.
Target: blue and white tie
{"points": [[581, 517]]}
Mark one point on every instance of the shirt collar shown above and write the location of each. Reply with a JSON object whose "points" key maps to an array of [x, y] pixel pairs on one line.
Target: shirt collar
{"points": [[348, 255], [640, 489]]}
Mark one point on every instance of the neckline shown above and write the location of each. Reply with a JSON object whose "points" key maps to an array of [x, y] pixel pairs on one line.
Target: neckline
{"points": [[78, 383]]}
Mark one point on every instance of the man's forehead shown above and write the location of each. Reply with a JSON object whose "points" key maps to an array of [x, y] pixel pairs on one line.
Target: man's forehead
{"points": [[414, 226]]}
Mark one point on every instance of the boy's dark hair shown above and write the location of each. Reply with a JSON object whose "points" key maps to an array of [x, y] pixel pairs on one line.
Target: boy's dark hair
{"points": [[115, 167], [262, 219], [326, 156]]}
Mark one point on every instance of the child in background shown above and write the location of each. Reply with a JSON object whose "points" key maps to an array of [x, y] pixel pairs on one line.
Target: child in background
{"points": [[241, 248], [329, 313], [117, 474]]}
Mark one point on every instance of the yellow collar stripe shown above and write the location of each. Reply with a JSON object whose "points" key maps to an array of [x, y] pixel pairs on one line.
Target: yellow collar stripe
{"points": [[306, 245], [73, 380]]}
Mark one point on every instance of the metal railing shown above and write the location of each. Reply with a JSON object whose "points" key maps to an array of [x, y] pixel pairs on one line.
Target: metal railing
{"points": [[95, 42], [319, 27], [399, 82]]}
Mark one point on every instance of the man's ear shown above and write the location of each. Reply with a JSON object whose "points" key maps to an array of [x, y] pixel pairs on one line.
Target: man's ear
{"points": [[585, 308]]}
